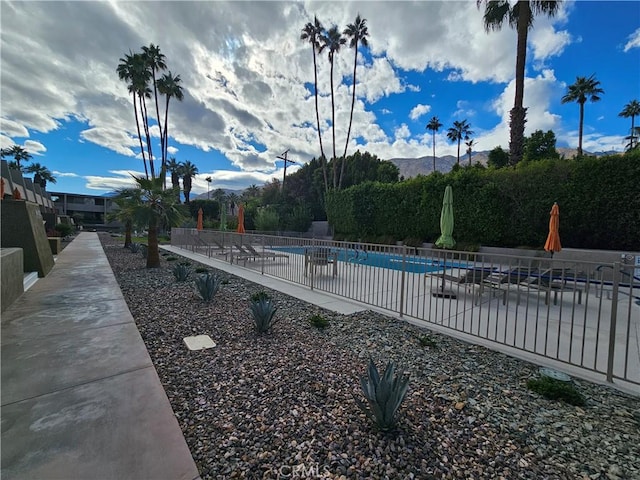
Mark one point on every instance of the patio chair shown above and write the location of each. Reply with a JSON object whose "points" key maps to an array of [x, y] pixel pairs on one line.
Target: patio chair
{"points": [[270, 255], [556, 280], [504, 282], [320, 257]]}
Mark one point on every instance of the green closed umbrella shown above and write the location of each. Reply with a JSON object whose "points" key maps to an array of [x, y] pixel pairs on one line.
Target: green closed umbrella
{"points": [[446, 235]]}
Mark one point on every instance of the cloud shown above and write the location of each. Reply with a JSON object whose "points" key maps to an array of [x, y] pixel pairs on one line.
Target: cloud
{"points": [[418, 111], [65, 174], [34, 147], [13, 129], [633, 41]]}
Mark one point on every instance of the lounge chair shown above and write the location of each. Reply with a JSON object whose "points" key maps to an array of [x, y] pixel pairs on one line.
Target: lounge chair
{"points": [[270, 255], [556, 280], [504, 282], [320, 257]]}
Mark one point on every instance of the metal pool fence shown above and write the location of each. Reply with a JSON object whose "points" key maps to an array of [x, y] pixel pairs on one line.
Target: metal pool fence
{"points": [[582, 314]]}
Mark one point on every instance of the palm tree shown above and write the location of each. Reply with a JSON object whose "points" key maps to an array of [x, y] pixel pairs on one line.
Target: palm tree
{"points": [[189, 171], [125, 200], [333, 40], [169, 86], [312, 33], [434, 125], [155, 62], [358, 33], [520, 16], [130, 70], [252, 191], [152, 205], [175, 168], [41, 176], [584, 89], [469, 143], [631, 109], [459, 131], [18, 153], [233, 201]]}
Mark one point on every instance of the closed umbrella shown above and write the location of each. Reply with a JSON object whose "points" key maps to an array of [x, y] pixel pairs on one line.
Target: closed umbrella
{"points": [[199, 226], [446, 235], [553, 239], [241, 219]]}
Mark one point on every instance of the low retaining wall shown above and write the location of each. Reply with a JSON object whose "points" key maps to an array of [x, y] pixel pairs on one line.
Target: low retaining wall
{"points": [[12, 276]]}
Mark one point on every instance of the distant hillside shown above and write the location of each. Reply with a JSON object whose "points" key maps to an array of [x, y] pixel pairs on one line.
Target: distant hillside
{"points": [[227, 191]]}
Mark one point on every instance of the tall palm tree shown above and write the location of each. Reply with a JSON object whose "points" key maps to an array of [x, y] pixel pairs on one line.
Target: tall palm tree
{"points": [[233, 201], [170, 87], [459, 131], [18, 153], [175, 168], [252, 191], [469, 142], [125, 201], [155, 61], [312, 33], [357, 32], [434, 125], [582, 90], [42, 174], [130, 70], [631, 109], [520, 16], [332, 40], [189, 171]]}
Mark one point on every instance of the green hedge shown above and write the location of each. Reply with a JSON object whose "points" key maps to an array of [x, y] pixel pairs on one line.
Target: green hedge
{"points": [[598, 197]]}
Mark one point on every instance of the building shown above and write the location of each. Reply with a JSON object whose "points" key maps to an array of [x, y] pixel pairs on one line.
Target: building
{"points": [[91, 211]]}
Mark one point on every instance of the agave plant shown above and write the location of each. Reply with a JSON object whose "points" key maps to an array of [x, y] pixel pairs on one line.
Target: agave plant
{"points": [[134, 247], [384, 395], [263, 312], [144, 249], [181, 271], [208, 285]]}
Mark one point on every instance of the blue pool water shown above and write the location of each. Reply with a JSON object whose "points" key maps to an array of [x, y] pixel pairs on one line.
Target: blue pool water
{"points": [[412, 263]]}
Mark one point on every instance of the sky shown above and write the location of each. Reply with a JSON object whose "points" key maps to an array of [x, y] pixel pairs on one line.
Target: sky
{"points": [[248, 89]]}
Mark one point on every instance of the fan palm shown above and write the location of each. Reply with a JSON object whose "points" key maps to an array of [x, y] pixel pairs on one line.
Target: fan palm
{"points": [[18, 153], [631, 109], [170, 87], [434, 125], [155, 61], [312, 33], [460, 130], [124, 200], [189, 171], [332, 40], [357, 32], [152, 205], [520, 16], [582, 90], [175, 168], [41, 176], [469, 143]]}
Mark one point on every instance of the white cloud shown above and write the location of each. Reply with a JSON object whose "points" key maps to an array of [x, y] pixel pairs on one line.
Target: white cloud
{"points": [[633, 41], [13, 129], [34, 147], [418, 111], [65, 174]]}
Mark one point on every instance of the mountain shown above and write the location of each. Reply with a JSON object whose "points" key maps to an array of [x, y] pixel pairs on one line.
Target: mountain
{"points": [[209, 195]]}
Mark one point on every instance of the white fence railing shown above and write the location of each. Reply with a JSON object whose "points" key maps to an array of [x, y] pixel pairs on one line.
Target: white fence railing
{"points": [[583, 314]]}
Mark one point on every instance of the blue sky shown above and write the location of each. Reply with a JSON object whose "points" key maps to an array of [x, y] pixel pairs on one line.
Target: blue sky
{"points": [[248, 82]]}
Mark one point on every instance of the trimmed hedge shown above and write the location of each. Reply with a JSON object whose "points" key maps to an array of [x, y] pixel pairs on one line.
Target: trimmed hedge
{"points": [[598, 198]]}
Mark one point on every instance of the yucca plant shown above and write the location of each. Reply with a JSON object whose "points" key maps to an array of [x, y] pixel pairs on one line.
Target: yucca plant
{"points": [[134, 247], [261, 295], [263, 312], [144, 249], [208, 285], [181, 271], [384, 395]]}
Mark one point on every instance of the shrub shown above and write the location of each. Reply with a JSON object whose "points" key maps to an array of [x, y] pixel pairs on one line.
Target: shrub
{"points": [[181, 271], [554, 389], [261, 295], [134, 247], [384, 395], [318, 321], [202, 270], [427, 341], [263, 312], [64, 229], [172, 259], [208, 285]]}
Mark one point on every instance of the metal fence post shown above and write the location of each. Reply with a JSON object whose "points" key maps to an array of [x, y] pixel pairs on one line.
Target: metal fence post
{"points": [[404, 270], [614, 318], [263, 254]]}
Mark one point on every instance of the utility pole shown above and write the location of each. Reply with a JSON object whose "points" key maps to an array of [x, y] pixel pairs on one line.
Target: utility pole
{"points": [[208, 179], [283, 156]]}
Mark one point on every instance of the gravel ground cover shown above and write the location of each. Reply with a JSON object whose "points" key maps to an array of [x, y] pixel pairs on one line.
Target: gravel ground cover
{"points": [[281, 405]]}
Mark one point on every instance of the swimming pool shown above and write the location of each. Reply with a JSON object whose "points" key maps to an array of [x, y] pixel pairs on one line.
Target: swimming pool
{"points": [[412, 263]]}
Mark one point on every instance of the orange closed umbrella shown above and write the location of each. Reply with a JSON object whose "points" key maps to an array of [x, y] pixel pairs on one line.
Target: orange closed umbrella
{"points": [[553, 239], [240, 219], [199, 227]]}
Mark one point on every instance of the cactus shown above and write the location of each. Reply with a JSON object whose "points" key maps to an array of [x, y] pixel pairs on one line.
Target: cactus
{"points": [[208, 285], [181, 271], [384, 395], [263, 312]]}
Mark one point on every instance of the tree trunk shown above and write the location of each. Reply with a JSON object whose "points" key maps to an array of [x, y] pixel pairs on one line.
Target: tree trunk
{"points": [[323, 159], [145, 124], [333, 127], [580, 129], [127, 233], [166, 142], [135, 112], [516, 143], [353, 102], [518, 113], [458, 151], [153, 255], [434, 150]]}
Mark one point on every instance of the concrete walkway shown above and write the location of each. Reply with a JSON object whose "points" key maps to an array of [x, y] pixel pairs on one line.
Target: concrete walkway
{"points": [[80, 396]]}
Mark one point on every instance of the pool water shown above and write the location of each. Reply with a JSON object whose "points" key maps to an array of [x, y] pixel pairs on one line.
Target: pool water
{"points": [[412, 263]]}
